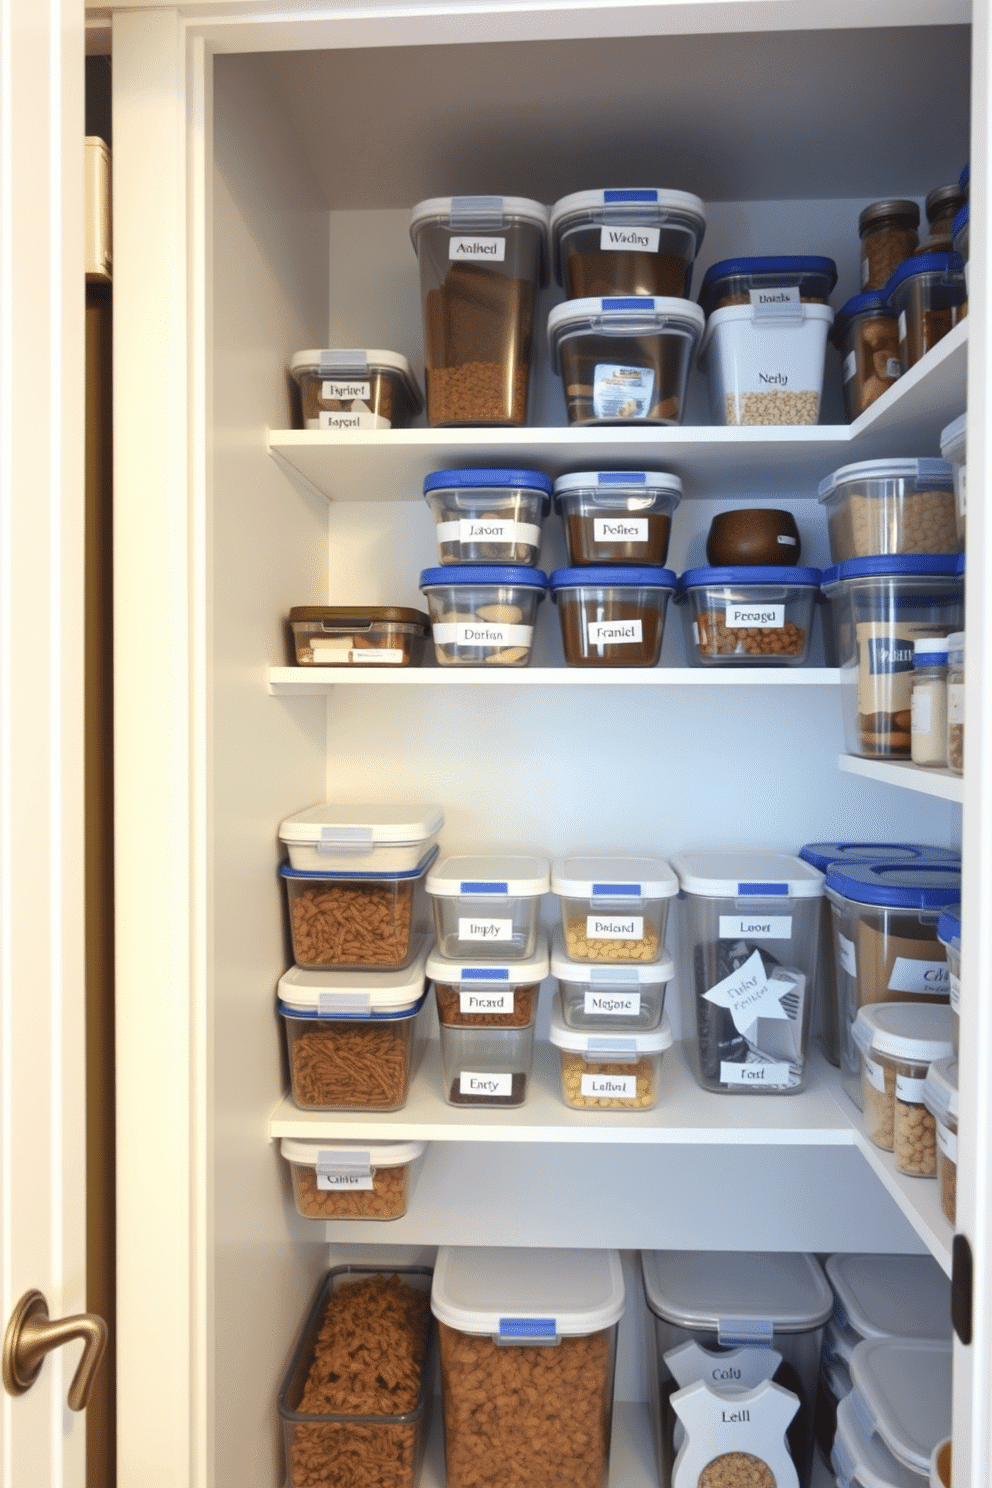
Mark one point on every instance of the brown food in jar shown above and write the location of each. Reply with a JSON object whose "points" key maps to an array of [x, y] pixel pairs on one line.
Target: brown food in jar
{"points": [[716, 639], [664, 356], [915, 1139], [581, 947], [887, 734], [923, 331], [879, 1106], [875, 343], [862, 526], [737, 1470], [379, 401], [577, 613], [449, 1009], [573, 1067], [600, 275], [341, 1066], [476, 393], [478, 333], [353, 924], [882, 252], [386, 1199], [585, 547]]}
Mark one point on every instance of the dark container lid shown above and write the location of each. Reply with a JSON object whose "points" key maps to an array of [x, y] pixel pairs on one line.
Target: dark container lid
{"points": [[894, 565], [485, 573], [814, 275], [872, 302], [894, 210], [358, 614], [951, 265], [446, 480], [808, 578]]}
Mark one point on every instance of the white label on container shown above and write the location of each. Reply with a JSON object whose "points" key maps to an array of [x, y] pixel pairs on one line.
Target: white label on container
{"points": [[756, 927], [947, 1141], [780, 303], [474, 927], [846, 955], [902, 325], [620, 529], [921, 711], [773, 1075], [919, 976], [865, 272], [955, 702], [376, 656], [785, 540], [481, 633], [909, 1090], [893, 368], [755, 616], [695, 632], [733, 1370], [614, 927], [470, 1083], [622, 392], [629, 239], [345, 391], [358, 418], [615, 632], [483, 250], [343, 1178], [612, 1004], [485, 1002], [963, 490], [875, 1074], [748, 994], [955, 985], [610, 1087], [850, 365]]}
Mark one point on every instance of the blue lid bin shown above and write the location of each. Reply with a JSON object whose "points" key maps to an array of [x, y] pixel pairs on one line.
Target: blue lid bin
{"points": [[748, 616], [928, 293], [488, 516], [612, 617], [483, 614]]}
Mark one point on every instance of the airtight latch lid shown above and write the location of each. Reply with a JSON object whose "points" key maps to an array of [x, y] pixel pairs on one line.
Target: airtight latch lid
{"points": [[527, 1295], [917, 1032], [743, 874], [863, 1461], [925, 885], [623, 315], [902, 1393], [613, 878], [361, 826], [881, 1296], [343, 1157], [489, 973], [336, 363], [608, 974], [355, 994], [741, 1296], [606, 1046], [642, 486], [928, 474], [495, 877]]}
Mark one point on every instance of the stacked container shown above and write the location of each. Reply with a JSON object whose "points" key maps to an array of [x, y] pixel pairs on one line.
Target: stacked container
{"points": [[897, 1413], [898, 1042], [949, 935], [940, 1096]]}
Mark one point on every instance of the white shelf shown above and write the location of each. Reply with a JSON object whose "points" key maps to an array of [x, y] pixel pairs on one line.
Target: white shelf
{"points": [[297, 681], [919, 1200], [941, 783]]}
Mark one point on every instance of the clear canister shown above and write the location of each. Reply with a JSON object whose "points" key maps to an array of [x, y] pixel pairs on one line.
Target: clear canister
{"points": [[955, 702], [927, 293], [929, 702], [949, 935], [940, 1096], [866, 333], [888, 232], [898, 1042]]}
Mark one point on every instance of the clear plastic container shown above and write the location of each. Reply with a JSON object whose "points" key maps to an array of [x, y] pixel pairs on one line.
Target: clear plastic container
{"points": [[335, 837], [751, 940], [488, 994], [902, 1396], [860, 1460], [754, 1310], [888, 1296], [782, 279], [940, 1096], [961, 234], [487, 908], [613, 908], [487, 1067], [609, 1071], [764, 362], [344, 389], [927, 293], [898, 1042], [888, 233], [385, 1447], [929, 702], [609, 997], [483, 615], [955, 702], [624, 360], [878, 608], [482, 259], [747, 616], [949, 935], [626, 242], [357, 635], [866, 333], [835, 1386], [338, 1180], [614, 517], [878, 507], [488, 516], [528, 1345], [612, 617], [954, 449], [357, 921]]}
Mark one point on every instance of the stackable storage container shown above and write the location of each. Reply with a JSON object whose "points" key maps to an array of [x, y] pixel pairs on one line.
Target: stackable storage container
{"points": [[476, 993], [597, 996], [928, 293], [624, 359], [860, 1460], [613, 908], [336, 837], [866, 333], [357, 635], [759, 1312], [613, 517], [949, 935], [612, 616], [779, 281], [961, 232], [902, 1395], [528, 1344], [748, 616], [339, 1180], [487, 908], [483, 614], [878, 507], [342, 389], [940, 1096], [487, 1067], [610, 1071], [764, 359], [752, 926], [835, 1381], [954, 449], [488, 516], [631, 241], [898, 1042], [890, 1296], [358, 920]]}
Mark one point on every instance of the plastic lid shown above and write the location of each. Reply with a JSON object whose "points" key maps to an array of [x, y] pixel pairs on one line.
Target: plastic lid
{"points": [[897, 885], [949, 927], [622, 315], [477, 213], [926, 263], [335, 1155], [956, 646], [603, 1045], [648, 482], [902, 1391], [893, 565], [964, 179], [838, 1342], [943, 197], [930, 651], [742, 1296], [345, 362], [953, 437], [608, 974], [507, 973], [862, 1460], [613, 877], [880, 212], [743, 874], [484, 573], [961, 220], [344, 827], [822, 854], [807, 578], [787, 324], [886, 1296], [492, 876], [354, 993], [520, 1294], [940, 1090], [345, 615], [872, 302], [811, 272], [349, 875], [915, 1031], [927, 474], [594, 577], [470, 479], [637, 206]]}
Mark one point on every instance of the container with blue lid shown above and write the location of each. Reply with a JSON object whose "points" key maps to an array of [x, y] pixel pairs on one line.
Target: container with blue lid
{"points": [[488, 516], [893, 507], [617, 516], [752, 616], [354, 920], [927, 292], [866, 333], [612, 616], [757, 281], [626, 241], [483, 614], [954, 449], [961, 233], [949, 935]]}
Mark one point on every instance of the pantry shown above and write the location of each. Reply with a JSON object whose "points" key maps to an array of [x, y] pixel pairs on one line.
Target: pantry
{"points": [[265, 165]]}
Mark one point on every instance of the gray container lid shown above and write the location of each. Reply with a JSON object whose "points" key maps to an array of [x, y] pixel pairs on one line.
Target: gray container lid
{"points": [[742, 1297], [886, 1296], [902, 1393]]}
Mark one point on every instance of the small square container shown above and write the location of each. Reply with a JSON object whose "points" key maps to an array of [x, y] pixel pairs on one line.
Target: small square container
{"points": [[949, 935], [336, 837], [357, 635], [613, 517], [609, 998], [395, 1373], [350, 1037], [902, 1397], [764, 362], [342, 389], [866, 333], [954, 449], [488, 516], [940, 1096], [612, 617], [880, 507], [609, 1071], [487, 1067], [624, 359], [487, 908], [889, 1296], [927, 292], [633, 241], [768, 284], [337, 1180], [488, 994], [613, 908], [483, 615], [482, 260], [898, 1042], [748, 616], [534, 1326], [355, 921], [863, 1461], [752, 922], [878, 608], [737, 1308]]}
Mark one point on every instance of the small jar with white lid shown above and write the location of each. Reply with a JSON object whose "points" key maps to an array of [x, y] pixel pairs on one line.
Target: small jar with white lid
{"points": [[487, 908], [955, 702], [613, 908], [940, 1096], [929, 702], [611, 997], [898, 1043]]}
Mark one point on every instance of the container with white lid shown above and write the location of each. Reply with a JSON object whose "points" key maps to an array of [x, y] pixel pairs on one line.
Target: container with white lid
{"points": [[764, 362], [949, 935], [617, 516], [898, 1042], [613, 908], [597, 996], [940, 1096], [885, 1296], [862, 1460], [487, 908], [954, 449], [534, 1326], [835, 1386], [485, 515], [339, 1180], [609, 1070], [628, 241], [752, 923], [335, 836], [480, 993], [345, 389], [902, 1394], [896, 506], [725, 1301]]}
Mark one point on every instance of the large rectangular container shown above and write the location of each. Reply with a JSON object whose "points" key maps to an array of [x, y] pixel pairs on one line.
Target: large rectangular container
{"points": [[355, 921], [764, 363], [339, 1180]]}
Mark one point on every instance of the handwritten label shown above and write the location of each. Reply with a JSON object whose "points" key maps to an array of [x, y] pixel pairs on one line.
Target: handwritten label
{"points": [[611, 1087], [472, 1083], [614, 927], [756, 927], [341, 1178], [748, 995], [488, 530], [615, 632], [775, 1076], [755, 616], [472, 927], [355, 418], [629, 239], [481, 633], [620, 529], [737, 1369], [612, 1004], [476, 249], [485, 1002], [345, 391], [919, 977]]}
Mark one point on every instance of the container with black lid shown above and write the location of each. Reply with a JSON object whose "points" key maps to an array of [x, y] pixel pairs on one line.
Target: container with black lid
{"points": [[888, 232]]}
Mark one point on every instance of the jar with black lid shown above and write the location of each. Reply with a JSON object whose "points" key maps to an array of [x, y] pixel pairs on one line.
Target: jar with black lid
{"points": [[888, 232], [942, 206]]}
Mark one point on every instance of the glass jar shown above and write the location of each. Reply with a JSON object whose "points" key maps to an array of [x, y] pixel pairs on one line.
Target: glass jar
{"points": [[955, 702], [888, 232], [929, 702], [943, 204]]}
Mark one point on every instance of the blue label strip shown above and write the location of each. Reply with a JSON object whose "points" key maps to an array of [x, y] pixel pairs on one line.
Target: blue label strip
{"points": [[485, 974], [617, 890], [630, 196], [480, 886], [528, 1328], [780, 890]]}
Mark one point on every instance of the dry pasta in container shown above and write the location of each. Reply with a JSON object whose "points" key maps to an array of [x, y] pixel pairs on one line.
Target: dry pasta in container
{"points": [[748, 616], [488, 515], [889, 1296], [954, 449], [898, 1042], [336, 836], [598, 996], [626, 241], [339, 1180], [927, 293], [614, 908], [483, 614], [866, 333], [487, 907], [901, 506], [362, 921], [949, 935], [343, 389], [473, 992], [612, 617], [613, 517], [902, 1396], [610, 1071], [357, 635], [528, 1344], [940, 1096]]}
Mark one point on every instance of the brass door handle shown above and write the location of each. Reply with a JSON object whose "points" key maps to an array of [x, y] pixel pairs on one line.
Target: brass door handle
{"points": [[31, 1334]]}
